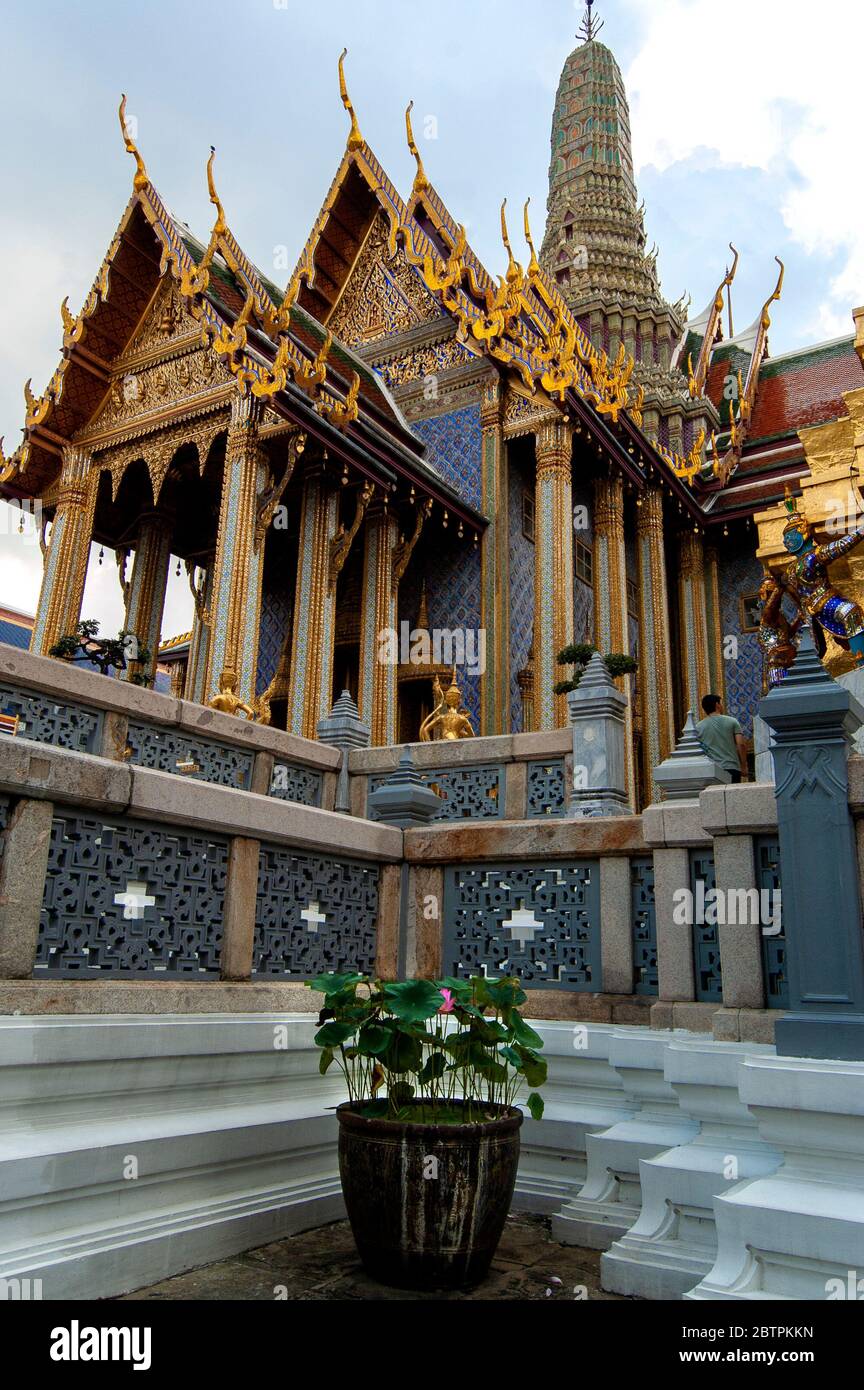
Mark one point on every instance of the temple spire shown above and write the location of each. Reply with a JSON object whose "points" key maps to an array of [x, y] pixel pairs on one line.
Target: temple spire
{"points": [[590, 26]]}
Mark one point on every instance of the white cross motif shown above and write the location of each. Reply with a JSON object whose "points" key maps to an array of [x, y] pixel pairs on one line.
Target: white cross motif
{"points": [[522, 924], [312, 916], [134, 901]]}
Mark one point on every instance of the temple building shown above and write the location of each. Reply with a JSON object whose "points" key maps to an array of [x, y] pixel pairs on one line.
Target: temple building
{"points": [[400, 440]]}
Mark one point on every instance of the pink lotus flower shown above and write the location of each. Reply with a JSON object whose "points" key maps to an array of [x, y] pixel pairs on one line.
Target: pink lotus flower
{"points": [[449, 1002]]}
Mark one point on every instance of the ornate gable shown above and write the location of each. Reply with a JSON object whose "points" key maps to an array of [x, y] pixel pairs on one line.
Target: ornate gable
{"points": [[165, 323], [383, 295]]}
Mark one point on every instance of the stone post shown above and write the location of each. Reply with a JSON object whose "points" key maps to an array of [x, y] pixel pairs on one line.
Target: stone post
{"points": [[24, 848], [405, 800], [344, 729], [597, 712], [813, 720], [59, 611], [553, 569]]}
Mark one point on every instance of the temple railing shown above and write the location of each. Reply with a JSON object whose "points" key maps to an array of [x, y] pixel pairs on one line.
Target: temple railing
{"points": [[55, 702], [508, 777], [112, 873]]}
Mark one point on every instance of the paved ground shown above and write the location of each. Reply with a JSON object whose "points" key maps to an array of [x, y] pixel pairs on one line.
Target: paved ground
{"points": [[322, 1265]]}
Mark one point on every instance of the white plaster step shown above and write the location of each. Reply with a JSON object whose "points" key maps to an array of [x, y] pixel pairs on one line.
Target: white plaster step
{"points": [[673, 1243]]}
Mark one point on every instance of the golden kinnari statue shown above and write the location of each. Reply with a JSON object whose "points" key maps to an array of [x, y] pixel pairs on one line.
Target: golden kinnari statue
{"points": [[228, 701], [448, 718]]}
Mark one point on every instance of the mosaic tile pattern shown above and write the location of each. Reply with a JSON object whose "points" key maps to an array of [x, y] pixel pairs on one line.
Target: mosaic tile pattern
{"points": [[203, 759], [121, 896], [541, 923], [521, 588], [314, 914], [274, 630], [51, 721], [4, 818], [453, 593], [740, 573], [547, 789], [454, 444]]}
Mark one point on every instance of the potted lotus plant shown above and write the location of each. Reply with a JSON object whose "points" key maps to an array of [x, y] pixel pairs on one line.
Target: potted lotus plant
{"points": [[429, 1135]]}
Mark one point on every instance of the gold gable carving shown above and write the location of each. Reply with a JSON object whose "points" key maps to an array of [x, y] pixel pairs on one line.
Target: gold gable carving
{"points": [[166, 321], [383, 295], [144, 392]]}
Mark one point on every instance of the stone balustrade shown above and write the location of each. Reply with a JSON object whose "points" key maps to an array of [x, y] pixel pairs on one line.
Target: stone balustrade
{"points": [[59, 703], [508, 777]]}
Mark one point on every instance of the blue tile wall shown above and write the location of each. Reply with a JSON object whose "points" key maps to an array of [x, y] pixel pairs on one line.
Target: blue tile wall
{"points": [[454, 445]]}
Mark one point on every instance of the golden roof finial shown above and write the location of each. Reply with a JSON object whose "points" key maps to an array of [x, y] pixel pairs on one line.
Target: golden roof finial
{"points": [[766, 318], [220, 226], [420, 180], [355, 139], [142, 178], [514, 271], [534, 264]]}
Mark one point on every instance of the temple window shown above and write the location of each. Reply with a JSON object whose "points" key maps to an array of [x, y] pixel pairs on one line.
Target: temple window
{"points": [[583, 559], [528, 515]]}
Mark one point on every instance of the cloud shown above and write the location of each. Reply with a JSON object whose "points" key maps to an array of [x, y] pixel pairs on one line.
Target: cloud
{"points": [[771, 88]]}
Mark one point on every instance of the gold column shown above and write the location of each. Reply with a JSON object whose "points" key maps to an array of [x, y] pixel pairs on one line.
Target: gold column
{"points": [[62, 593], [693, 620], [611, 626], [146, 591], [311, 690], [714, 616], [655, 675], [553, 570], [495, 567], [236, 603], [377, 700]]}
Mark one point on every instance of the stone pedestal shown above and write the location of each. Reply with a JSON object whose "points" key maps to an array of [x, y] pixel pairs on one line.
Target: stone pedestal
{"points": [[597, 714], [344, 729], [763, 745], [609, 1203], [688, 770], [673, 1244], [797, 1233], [813, 720]]}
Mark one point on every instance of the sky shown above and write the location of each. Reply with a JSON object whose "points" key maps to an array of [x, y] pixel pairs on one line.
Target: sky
{"points": [[742, 125]]}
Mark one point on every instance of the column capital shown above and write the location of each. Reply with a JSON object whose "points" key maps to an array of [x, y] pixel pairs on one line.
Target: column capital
{"points": [[246, 413], [491, 404], [74, 473], [649, 513], [691, 555], [608, 506], [553, 445]]}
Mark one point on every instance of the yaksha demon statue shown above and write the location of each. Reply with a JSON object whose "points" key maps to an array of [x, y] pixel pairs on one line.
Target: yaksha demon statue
{"points": [[806, 580], [778, 638]]}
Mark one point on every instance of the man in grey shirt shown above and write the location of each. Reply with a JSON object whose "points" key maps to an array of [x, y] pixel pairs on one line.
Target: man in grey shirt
{"points": [[722, 738]]}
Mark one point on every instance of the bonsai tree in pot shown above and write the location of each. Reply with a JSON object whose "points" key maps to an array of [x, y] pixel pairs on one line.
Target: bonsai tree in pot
{"points": [[578, 654], [429, 1135]]}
